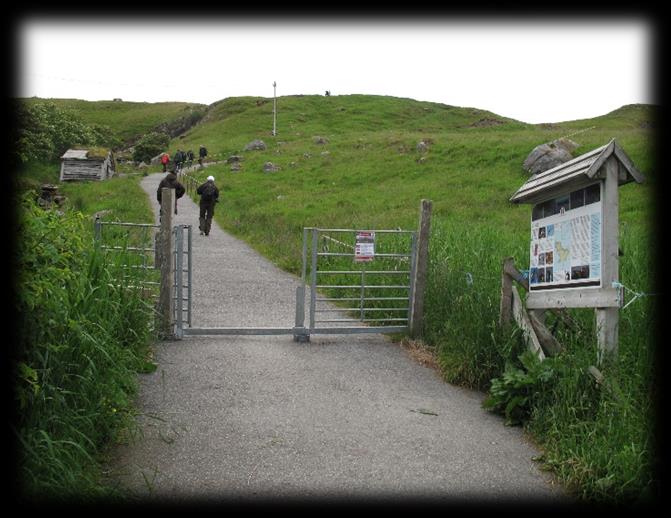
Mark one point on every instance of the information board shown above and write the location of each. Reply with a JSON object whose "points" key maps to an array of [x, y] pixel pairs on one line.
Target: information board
{"points": [[364, 249], [565, 249]]}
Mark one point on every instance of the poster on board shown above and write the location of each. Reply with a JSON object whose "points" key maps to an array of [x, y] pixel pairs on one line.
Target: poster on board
{"points": [[364, 249], [565, 249]]}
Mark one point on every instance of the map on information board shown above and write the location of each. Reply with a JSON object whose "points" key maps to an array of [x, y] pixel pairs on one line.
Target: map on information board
{"points": [[565, 247]]}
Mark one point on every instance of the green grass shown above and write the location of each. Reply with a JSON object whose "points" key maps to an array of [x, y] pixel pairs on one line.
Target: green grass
{"points": [[84, 332], [120, 198]]}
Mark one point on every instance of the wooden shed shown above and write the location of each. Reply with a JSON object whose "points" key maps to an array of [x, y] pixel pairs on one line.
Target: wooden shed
{"points": [[87, 164]]}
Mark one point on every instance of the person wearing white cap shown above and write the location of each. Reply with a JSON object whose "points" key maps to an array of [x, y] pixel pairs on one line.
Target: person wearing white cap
{"points": [[209, 196]]}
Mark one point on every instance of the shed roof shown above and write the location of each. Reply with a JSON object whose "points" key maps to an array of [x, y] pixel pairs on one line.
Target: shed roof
{"points": [[578, 172], [76, 153]]}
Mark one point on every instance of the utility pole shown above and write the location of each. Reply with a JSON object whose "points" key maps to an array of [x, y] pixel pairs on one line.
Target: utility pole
{"points": [[274, 109]]}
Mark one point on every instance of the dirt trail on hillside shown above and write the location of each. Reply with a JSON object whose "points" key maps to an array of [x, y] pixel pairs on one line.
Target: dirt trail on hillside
{"points": [[352, 418]]}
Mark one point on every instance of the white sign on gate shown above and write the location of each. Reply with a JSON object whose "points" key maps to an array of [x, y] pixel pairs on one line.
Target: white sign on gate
{"points": [[364, 249]]}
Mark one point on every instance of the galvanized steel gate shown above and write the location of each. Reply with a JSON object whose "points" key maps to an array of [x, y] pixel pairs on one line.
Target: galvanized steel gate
{"points": [[346, 291], [352, 281], [138, 240], [360, 281]]}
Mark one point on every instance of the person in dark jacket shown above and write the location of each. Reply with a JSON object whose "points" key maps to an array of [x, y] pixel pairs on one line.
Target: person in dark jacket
{"points": [[209, 196], [170, 181], [202, 153]]}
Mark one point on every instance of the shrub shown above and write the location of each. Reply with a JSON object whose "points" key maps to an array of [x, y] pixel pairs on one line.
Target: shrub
{"points": [[150, 145], [44, 132], [82, 335], [513, 393]]}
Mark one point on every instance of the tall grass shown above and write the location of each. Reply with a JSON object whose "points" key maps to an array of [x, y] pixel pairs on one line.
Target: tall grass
{"points": [[462, 301], [83, 332], [599, 440]]}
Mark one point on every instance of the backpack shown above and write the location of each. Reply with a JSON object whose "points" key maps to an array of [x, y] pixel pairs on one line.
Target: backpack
{"points": [[209, 192]]}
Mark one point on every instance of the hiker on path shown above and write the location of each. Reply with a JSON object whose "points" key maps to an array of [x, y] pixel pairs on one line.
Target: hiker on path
{"points": [[202, 153], [165, 159], [179, 159], [189, 158], [170, 181], [209, 196]]}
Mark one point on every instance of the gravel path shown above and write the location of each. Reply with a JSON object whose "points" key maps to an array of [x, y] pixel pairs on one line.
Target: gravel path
{"points": [[352, 417]]}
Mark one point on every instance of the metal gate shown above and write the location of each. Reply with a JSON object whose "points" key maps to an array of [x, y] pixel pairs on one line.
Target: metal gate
{"points": [[361, 281], [138, 242], [182, 282]]}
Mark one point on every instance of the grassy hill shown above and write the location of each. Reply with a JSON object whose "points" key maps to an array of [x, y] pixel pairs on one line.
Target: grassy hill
{"points": [[127, 120], [370, 173]]}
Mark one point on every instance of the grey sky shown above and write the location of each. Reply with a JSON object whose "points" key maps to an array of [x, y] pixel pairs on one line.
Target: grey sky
{"points": [[534, 71]]}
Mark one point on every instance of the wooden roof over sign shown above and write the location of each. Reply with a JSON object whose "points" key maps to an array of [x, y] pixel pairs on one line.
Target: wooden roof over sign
{"points": [[576, 173]]}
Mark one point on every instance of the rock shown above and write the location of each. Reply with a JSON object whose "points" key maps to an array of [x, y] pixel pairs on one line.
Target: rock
{"points": [[255, 145], [325, 153], [486, 122], [236, 166], [320, 140], [142, 165], [567, 144], [49, 195], [102, 213], [422, 146], [233, 159], [549, 155], [269, 167]]}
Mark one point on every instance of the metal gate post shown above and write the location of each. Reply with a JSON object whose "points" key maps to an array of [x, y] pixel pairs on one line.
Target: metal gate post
{"points": [[179, 266], [189, 274], [301, 334], [98, 229], [313, 278]]}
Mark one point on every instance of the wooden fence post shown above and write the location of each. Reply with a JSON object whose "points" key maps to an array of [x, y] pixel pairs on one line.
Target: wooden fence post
{"points": [[505, 308], [165, 246], [421, 268]]}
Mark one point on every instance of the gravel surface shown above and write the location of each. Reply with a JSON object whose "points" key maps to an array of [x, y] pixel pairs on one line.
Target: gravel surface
{"points": [[342, 418]]}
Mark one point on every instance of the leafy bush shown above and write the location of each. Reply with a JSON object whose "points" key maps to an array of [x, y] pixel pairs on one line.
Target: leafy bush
{"points": [[150, 145], [44, 132], [82, 334], [513, 393]]}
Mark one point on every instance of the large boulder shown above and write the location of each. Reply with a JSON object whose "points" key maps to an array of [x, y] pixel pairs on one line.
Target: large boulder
{"points": [[549, 155]]}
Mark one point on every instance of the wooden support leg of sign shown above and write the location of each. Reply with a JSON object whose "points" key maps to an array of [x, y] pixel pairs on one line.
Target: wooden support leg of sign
{"points": [[607, 319]]}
